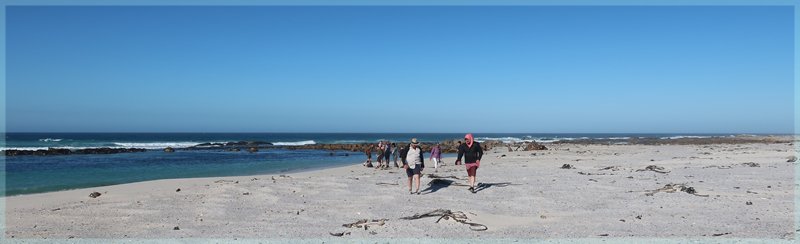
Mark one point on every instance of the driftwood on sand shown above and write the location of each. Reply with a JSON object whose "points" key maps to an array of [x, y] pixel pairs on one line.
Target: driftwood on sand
{"points": [[458, 216]]}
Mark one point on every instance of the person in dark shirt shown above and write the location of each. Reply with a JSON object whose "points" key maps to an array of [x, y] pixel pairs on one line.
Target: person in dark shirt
{"points": [[458, 148], [472, 153]]}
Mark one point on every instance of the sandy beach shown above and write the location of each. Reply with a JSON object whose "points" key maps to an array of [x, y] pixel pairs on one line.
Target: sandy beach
{"points": [[610, 191]]}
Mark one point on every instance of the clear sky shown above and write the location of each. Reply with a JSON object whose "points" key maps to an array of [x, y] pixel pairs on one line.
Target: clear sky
{"points": [[400, 69]]}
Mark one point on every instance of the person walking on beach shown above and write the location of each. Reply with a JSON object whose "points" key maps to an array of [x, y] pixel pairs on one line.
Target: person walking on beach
{"points": [[368, 152], [472, 152], [436, 156], [394, 154], [387, 152], [413, 163], [380, 155], [458, 148]]}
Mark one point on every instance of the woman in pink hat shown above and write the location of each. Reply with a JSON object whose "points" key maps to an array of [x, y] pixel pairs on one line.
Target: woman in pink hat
{"points": [[472, 153]]}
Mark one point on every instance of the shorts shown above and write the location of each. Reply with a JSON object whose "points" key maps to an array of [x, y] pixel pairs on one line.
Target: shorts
{"points": [[472, 169], [416, 171]]}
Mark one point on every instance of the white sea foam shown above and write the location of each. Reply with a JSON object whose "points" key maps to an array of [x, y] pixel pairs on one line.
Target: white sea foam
{"points": [[155, 145], [50, 140], [45, 148], [297, 143]]}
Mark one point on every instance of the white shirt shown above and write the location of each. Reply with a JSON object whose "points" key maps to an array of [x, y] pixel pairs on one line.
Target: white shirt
{"points": [[413, 157]]}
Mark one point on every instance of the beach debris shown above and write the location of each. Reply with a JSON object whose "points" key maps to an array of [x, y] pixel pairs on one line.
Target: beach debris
{"points": [[176, 228], [246, 193], [612, 168], [792, 159], [254, 179], [602, 235], [671, 188], [340, 233], [751, 192], [593, 180], [722, 234], [584, 173], [638, 216], [55, 209], [365, 223], [751, 164], [654, 168], [567, 166], [178, 190], [386, 184], [169, 149], [458, 216], [94, 194], [224, 181], [748, 203]]}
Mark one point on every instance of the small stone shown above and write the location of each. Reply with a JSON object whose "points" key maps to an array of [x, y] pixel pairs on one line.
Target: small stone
{"points": [[748, 203], [95, 194], [176, 228], [178, 190]]}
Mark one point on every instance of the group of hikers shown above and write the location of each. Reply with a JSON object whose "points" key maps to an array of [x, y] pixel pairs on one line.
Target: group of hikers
{"points": [[412, 159]]}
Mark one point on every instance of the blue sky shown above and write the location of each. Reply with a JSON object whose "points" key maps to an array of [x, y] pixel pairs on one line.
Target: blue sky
{"points": [[400, 69]]}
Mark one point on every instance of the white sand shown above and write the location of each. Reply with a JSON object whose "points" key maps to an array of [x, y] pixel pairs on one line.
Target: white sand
{"points": [[543, 200]]}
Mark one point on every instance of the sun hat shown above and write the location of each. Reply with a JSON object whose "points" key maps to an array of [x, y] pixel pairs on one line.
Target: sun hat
{"points": [[414, 141]]}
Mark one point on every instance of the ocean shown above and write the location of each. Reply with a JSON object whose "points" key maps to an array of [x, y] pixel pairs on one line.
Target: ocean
{"points": [[36, 174]]}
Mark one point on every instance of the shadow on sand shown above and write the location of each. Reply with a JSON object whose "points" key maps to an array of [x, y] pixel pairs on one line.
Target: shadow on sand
{"points": [[438, 184]]}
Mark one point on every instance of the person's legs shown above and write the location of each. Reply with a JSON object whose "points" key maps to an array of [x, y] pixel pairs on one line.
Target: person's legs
{"points": [[416, 180], [471, 171], [435, 163], [409, 173]]}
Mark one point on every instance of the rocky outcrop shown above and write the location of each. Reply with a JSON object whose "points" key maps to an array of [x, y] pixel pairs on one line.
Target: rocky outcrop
{"points": [[450, 146], [61, 151], [683, 141]]}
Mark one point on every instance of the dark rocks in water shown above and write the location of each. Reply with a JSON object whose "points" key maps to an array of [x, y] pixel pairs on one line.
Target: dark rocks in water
{"points": [[740, 139], [94, 194], [450, 146], [169, 149], [61, 151], [106, 150], [252, 149], [234, 146]]}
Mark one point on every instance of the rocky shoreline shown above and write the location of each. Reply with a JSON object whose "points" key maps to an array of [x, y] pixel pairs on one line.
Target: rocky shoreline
{"points": [[683, 141], [63, 151], [449, 146]]}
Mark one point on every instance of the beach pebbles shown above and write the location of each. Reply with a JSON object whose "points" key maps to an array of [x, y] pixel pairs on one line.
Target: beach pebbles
{"points": [[94, 194]]}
